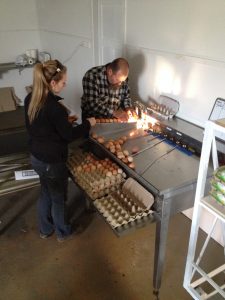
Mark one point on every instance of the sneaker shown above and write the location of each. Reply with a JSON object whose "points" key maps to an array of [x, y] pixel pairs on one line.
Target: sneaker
{"points": [[45, 236], [62, 239]]}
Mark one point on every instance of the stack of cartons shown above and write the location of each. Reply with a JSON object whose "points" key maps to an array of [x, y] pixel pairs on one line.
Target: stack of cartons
{"points": [[8, 99]]}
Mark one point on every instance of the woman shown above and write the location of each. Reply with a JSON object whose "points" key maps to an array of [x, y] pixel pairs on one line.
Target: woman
{"points": [[49, 134]]}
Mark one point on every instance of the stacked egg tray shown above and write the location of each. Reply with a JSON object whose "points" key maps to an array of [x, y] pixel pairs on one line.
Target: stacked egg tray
{"points": [[218, 185], [162, 110], [96, 177], [121, 212]]}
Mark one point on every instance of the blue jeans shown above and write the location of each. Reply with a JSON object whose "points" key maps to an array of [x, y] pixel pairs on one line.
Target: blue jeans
{"points": [[51, 203]]}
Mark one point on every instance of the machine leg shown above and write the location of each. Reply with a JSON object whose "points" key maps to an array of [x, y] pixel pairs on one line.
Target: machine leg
{"points": [[156, 294], [160, 245]]}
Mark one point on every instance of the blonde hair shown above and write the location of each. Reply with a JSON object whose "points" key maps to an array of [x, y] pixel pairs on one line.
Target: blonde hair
{"points": [[43, 74]]}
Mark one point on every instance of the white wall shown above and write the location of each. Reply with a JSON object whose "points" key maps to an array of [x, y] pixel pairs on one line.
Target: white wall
{"points": [[18, 32], [174, 47], [75, 31], [67, 33], [71, 31], [111, 29], [177, 48], [63, 28]]}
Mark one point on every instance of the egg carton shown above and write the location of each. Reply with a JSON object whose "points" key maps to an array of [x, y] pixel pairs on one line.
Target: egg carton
{"points": [[164, 107], [102, 178], [128, 203], [118, 215], [99, 188]]}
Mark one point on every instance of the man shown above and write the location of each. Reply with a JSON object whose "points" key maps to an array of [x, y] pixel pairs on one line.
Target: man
{"points": [[106, 91]]}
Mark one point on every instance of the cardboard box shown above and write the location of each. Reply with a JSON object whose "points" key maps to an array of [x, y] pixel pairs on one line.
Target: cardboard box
{"points": [[28, 89], [8, 99]]}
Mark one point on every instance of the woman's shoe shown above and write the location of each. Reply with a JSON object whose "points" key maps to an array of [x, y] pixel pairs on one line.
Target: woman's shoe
{"points": [[45, 236], [62, 239]]}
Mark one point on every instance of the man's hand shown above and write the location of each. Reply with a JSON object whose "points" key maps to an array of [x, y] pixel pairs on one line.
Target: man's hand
{"points": [[131, 111], [124, 115], [92, 121], [121, 115]]}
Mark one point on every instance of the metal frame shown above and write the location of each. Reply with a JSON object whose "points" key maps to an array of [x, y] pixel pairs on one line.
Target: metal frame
{"points": [[212, 130]]}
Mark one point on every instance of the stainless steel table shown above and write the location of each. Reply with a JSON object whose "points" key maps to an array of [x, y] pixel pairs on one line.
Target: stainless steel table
{"points": [[171, 177]]}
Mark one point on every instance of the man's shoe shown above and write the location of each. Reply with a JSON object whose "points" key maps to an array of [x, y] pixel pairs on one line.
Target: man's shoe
{"points": [[45, 236], [90, 210]]}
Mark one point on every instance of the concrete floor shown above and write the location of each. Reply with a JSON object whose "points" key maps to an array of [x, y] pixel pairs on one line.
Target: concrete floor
{"points": [[94, 265]]}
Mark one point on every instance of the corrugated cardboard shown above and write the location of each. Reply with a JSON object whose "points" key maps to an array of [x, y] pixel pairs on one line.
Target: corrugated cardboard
{"points": [[7, 99]]}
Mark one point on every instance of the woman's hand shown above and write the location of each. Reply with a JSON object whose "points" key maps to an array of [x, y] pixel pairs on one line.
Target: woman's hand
{"points": [[92, 121], [72, 118]]}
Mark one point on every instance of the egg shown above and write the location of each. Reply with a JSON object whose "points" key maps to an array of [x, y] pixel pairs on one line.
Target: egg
{"points": [[94, 135], [79, 169], [93, 168], [110, 144], [107, 145], [124, 138], [114, 172], [100, 140], [135, 149], [131, 165], [125, 160], [118, 147], [112, 149], [130, 158], [120, 155], [126, 152]]}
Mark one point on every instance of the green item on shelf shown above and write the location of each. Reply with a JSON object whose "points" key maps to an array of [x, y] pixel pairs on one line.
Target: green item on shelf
{"points": [[218, 196], [220, 173], [218, 185]]}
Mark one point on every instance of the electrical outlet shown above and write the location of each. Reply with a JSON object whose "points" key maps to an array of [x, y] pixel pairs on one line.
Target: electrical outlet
{"points": [[86, 44]]}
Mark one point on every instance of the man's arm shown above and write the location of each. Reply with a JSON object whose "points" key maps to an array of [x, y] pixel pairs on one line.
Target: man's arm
{"points": [[127, 103]]}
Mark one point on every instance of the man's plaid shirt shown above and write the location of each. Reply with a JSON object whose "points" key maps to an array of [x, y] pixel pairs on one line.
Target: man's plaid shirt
{"points": [[99, 99]]}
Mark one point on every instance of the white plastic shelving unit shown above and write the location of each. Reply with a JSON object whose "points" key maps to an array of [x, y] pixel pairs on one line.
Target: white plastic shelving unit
{"points": [[199, 283]]}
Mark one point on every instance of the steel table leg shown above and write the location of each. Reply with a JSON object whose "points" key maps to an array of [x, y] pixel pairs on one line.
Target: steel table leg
{"points": [[160, 244]]}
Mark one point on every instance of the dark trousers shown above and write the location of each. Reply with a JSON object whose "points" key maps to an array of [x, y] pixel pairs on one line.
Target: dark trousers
{"points": [[51, 203]]}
